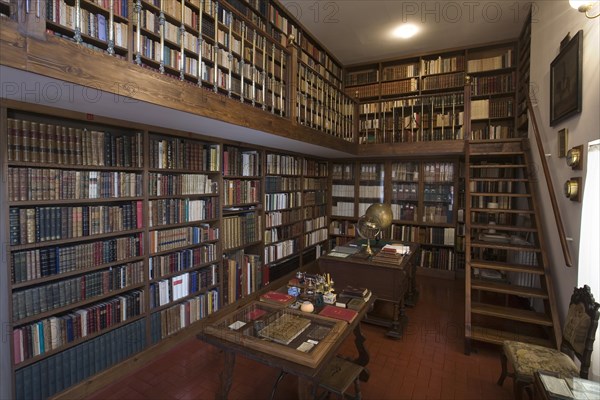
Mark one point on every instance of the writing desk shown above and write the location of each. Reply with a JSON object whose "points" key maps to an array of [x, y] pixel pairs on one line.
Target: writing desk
{"points": [[394, 283], [246, 341]]}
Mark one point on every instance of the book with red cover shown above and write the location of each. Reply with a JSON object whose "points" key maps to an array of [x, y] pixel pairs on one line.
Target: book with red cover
{"points": [[277, 298], [345, 314]]}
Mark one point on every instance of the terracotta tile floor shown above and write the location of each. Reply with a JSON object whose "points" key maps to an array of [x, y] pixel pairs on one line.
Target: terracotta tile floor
{"points": [[427, 363]]}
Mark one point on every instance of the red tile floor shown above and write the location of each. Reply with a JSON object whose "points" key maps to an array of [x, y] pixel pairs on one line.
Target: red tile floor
{"points": [[427, 363]]}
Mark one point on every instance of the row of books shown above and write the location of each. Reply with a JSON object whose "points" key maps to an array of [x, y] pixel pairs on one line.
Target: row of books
{"points": [[442, 236], [279, 201], [405, 191], [47, 261], [493, 132], [244, 274], [346, 228], [362, 77], [405, 211], [504, 60], [442, 65], [443, 81], [43, 298], [237, 162], [283, 232], [315, 183], [170, 290], [315, 198], [397, 87], [281, 183], [183, 154], [404, 71], [437, 258], [168, 184], [373, 192], [276, 218], [241, 230], [438, 214], [438, 172], [482, 201], [40, 224], [342, 172], [173, 319], [176, 211], [338, 190], [56, 184], [55, 332], [315, 223], [438, 192], [119, 6], [316, 236], [182, 260], [57, 372], [342, 209], [240, 191], [280, 250], [482, 85], [279, 164], [31, 141], [315, 211], [491, 186], [170, 239]]}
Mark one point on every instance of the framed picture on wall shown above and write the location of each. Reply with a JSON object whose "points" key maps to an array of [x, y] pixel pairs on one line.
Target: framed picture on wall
{"points": [[565, 80]]}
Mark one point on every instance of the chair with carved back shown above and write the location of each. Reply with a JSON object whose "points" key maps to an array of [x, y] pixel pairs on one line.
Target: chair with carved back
{"points": [[578, 338]]}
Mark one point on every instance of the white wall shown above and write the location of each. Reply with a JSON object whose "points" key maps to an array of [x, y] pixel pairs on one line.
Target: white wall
{"points": [[552, 20]]}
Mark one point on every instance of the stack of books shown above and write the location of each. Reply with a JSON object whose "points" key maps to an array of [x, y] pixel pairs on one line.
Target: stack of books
{"points": [[353, 298], [392, 254]]}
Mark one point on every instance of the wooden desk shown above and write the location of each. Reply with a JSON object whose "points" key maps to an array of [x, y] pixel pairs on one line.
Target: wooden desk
{"points": [[306, 366], [394, 283]]}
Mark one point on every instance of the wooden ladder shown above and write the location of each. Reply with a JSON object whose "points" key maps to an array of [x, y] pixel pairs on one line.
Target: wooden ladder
{"points": [[508, 288]]}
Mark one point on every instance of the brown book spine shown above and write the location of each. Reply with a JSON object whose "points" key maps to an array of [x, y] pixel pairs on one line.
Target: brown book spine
{"points": [[43, 143], [51, 143], [71, 146], [34, 140], [25, 144], [78, 152], [11, 139]]}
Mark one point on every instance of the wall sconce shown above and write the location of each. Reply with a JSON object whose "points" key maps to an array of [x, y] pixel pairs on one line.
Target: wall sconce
{"points": [[584, 6]]}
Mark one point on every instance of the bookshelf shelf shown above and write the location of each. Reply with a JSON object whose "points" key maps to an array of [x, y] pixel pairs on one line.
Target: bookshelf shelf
{"points": [[74, 343], [63, 275], [182, 271], [78, 304]]}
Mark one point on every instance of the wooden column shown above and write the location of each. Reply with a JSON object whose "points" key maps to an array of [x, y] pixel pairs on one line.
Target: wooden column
{"points": [[292, 79]]}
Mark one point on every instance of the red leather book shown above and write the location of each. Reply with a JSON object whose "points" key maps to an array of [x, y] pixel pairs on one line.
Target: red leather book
{"points": [[345, 314], [277, 298]]}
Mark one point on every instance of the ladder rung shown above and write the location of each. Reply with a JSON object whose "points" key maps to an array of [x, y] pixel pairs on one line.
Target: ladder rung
{"points": [[497, 336], [515, 314], [503, 246], [507, 288], [500, 194], [499, 266]]}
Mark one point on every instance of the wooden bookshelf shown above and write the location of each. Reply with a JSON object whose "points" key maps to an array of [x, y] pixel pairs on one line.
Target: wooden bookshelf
{"points": [[174, 231]]}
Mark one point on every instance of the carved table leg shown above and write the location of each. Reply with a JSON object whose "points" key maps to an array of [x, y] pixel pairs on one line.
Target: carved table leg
{"points": [[226, 376], [412, 295], [399, 320], [363, 354]]}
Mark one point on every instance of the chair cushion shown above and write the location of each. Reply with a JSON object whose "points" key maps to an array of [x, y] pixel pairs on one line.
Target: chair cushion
{"points": [[527, 358]]}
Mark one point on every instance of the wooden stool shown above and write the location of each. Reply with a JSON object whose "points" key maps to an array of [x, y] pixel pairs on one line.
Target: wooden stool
{"points": [[338, 376]]}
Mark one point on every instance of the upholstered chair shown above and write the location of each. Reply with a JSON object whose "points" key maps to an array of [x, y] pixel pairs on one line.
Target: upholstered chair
{"points": [[577, 338]]}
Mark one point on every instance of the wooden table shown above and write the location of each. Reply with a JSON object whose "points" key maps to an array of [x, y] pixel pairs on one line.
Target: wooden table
{"points": [[273, 354], [394, 283]]}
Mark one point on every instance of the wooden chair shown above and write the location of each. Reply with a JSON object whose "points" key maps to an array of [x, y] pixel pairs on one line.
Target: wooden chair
{"points": [[578, 338]]}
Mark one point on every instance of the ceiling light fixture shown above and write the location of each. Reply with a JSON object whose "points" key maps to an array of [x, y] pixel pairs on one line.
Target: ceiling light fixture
{"points": [[405, 31], [584, 6]]}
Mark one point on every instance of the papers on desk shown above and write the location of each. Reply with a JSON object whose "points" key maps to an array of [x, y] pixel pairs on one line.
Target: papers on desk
{"points": [[396, 249], [334, 253], [556, 386]]}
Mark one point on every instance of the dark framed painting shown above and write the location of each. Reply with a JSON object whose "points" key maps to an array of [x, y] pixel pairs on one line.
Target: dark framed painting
{"points": [[565, 80]]}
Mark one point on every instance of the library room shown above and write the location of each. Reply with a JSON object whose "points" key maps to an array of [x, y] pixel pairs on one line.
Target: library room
{"points": [[283, 199]]}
